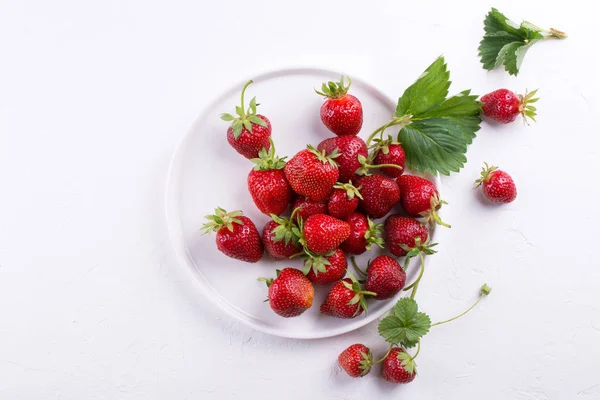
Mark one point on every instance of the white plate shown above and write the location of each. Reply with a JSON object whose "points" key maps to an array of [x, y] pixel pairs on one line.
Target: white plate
{"points": [[206, 172]]}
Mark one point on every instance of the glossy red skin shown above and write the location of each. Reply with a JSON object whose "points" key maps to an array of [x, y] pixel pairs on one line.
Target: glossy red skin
{"points": [[385, 277], [339, 205], [310, 177], [249, 144], [395, 156], [349, 147], [334, 272], [343, 116], [501, 105], [308, 207], [356, 242], [392, 369], [416, 194], [243, 243], [270, 191], [336, 303], [350, 359], [500, 187], [379, 194], [291, 293], [399, 230], [324, 233], [278, 250]]}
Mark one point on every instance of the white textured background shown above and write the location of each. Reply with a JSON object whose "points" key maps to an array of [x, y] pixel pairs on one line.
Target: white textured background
{"points": [[94, 98]]}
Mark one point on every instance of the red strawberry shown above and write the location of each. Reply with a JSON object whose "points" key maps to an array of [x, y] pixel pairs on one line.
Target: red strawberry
{"points": [[420, 198], [249, 132], [279, 238], [346, 299], [356, 360], [311, 173], [403, 234], [349, 148], [385, 277], [504, 106], [291, 293], [363, 234], [398, 367], [323, 233], [323, 270], [389, 152], [498, 186], [343, 200], [237, 236], [306, 207], [267, 184], [342, 113], [379, 194]]}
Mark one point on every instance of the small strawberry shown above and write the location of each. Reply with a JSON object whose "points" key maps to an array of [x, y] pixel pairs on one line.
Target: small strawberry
{"points": [[379, 194], [270, 190], [291, 293], [420, 198], [312, 173], [504, 106], [403, 234], [279, 238], [363, 234], [306, 207], [356, 360], [346, 299], [326, 269], [249, 132], [385, 277], [389, 152], [498, 186], [398, 366], [343, 200], [237, 236], [348, 148], [323, 233], [342, 113]]}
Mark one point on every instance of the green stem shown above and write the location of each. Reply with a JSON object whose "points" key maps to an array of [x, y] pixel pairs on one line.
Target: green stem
{"points": [[420, 273], [414, 290], [360, 271], [460, 315], [418, 350], [243, 92], [372, 136], [384, 357], [384, 166]]}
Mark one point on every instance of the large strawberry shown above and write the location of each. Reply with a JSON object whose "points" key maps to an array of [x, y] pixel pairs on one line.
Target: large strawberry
{"points": [[323, 233], [342, 113], [312, 173], [363, 234], [291, 293], [356, 360], [237, 236], [306, 207], [279, 237], [343, 200], [504, 106], [420, 198], [325, 269], [498, 186], [267, 183], [346, 299], [385, 277], [389, 152], [403, 234], [349, 149], [398, 367], [379, 194], [249, 132]]}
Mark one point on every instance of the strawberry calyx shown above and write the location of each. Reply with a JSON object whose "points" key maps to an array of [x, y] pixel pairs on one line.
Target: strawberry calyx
{"points": [[315, 262], [359, 293], [383, 145], [366, 362], [269, 281], [335, 90], [285, 231], [373, 235], [408, 361], [486, 173], [267, 160], [222, 219], [431, 216], [525, 107], [351, 190], [418, 250], [323, 157], [245, 118]]}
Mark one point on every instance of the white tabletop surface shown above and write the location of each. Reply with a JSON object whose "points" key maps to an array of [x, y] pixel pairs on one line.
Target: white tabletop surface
{"points": [[96, 95]]}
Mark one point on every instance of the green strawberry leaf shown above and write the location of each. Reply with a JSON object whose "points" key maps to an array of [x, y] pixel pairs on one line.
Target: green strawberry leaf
{"points": [[406, 326]]}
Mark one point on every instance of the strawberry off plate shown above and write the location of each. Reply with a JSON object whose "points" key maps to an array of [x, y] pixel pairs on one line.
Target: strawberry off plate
{"points": [[206, 172]]}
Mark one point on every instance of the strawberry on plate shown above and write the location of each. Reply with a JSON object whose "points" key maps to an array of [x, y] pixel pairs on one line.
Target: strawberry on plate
{"points": [[343, 200], [363, 234], [346, 299], [305, 207], [267, 184], [290, 293], [322, 233], [379, 195], [389, 152], [279, 237], [341, 113], [348, 148], [384, 277], [404, 233], [420, 198], [325, 269], [312, 173]]}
